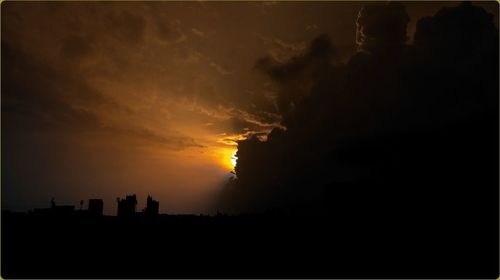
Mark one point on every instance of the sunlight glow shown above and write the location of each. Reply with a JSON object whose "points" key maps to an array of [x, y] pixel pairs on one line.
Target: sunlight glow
{"points": [[234, 159], [228, 158]]}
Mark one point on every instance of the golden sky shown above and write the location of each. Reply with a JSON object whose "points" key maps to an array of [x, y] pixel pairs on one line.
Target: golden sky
{"points": [[104, 99]]}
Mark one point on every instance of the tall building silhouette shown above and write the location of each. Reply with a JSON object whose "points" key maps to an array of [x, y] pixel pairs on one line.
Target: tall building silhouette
{"points": [[96, 206], [126, 207], [152, 207]]}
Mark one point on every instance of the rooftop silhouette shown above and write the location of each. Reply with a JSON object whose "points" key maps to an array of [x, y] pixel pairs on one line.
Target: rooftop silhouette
{"points": [[384, 164]]}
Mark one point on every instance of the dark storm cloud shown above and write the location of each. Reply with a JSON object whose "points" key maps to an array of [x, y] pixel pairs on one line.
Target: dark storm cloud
{"points": [[395, 127], [382, 26], [295, 76]]}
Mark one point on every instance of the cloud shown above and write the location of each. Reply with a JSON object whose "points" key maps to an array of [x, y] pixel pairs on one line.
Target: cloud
{"points": [[37, 97], [312, 27], [75, 47], [386, 132], [297, 75], [280, 50], [134, 74], [198, 33], [126, 26], [33, 93], [173, 141], [381, 26], [169, 32], [220, 69]]}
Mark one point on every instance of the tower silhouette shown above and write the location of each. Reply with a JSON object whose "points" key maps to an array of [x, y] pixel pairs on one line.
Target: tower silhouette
{"points": [[96, 206], [126, 207], [152, 207]]}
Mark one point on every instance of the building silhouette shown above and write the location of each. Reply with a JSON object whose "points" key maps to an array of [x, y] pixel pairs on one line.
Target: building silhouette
{"points": [[96, 207], [152, 207], [126, 207]]}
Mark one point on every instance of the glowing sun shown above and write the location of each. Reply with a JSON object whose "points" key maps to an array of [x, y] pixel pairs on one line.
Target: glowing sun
{"points": [[227, 158], [233, 159]]}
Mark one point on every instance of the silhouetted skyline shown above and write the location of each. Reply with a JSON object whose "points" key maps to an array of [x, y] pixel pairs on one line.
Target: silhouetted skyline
{"points": [[250, 140]]}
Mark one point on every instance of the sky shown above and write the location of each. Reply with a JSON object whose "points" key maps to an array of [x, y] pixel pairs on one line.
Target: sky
{"points": [[104, 99]]}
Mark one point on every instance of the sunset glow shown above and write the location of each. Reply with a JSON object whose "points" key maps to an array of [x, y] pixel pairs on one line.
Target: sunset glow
{"points": [[249, 139], [228, 158], [234, 159], [104, 99]]}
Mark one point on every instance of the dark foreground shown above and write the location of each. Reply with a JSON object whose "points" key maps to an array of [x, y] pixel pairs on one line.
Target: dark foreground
{"points": [[270, 246]]}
